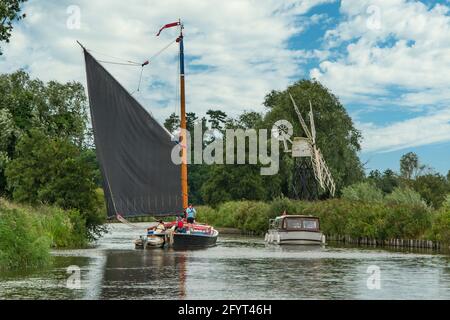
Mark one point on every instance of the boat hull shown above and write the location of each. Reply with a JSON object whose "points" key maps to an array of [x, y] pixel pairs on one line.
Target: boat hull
{"points": [[294, 237], [152, 242], [179, 241], [183, 240]]}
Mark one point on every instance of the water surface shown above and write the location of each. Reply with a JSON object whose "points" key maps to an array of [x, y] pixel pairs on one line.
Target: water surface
{"points": [[237, 268]]}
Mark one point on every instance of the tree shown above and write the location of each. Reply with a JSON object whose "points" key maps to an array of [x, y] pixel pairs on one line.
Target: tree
{"points": [[337, 136], [374, 175], [240, 182], [58, 110], [191, 119], [172, 123], [440, 230], [409, 163], [362, 191], [247, 120], [387, 181], [9, 12], [217, 118], [53, 171], [432, 187], [405, 195]]}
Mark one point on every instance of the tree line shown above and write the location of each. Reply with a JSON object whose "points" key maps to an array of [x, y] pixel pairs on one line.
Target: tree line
{"points": [[45, 152], [337, 137]]}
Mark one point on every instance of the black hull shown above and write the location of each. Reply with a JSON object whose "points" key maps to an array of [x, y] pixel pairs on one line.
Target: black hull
{"points": [[186, 241], [190, 241]]}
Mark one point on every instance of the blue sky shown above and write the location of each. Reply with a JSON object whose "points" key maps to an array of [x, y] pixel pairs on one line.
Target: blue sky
{"points": [[387, 61]]}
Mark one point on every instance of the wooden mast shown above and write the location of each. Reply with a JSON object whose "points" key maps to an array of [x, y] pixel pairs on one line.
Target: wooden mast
{"points": [[183, 140]]}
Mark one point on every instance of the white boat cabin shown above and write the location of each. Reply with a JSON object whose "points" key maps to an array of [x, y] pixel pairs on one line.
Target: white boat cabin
{"points": [[295, 229]]}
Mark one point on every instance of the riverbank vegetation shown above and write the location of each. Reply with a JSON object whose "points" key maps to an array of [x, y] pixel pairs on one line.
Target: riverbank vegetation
{"points": [[49, 176], [380, 220], [46, 153], [27, 233]]}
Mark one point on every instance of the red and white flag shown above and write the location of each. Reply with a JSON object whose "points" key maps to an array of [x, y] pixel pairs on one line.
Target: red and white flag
{"points": [[169, 25]]}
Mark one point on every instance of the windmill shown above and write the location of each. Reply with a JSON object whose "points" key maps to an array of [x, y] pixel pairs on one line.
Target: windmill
{"points": [[305, 147]]}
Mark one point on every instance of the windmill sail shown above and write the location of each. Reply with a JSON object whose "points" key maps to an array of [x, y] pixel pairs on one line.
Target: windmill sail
{"points": [[320, 168], [133, 149]]}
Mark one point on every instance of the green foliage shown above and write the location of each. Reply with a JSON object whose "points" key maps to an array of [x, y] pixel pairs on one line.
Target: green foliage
{"points": [[9, 13], [379, 220], [217, 118], [57, 110], [240, 182], [362, 191], [197, 176], [446, 202], [432, 187], [22, 242], [172, 123], [387, 181], [52, 171], [409, 164], [246, 120], [66, 229], [405, 196], [27, 233], [248, 216], [441, 223]]}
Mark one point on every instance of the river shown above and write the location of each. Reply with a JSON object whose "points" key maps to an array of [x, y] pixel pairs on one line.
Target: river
{"points": [[237, 268]]}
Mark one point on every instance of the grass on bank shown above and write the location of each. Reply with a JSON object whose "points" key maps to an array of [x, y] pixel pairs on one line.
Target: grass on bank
{"points": [[380, 220], [27, 234]]}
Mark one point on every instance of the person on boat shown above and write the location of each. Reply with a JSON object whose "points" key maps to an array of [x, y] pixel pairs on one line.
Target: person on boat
{"points": [[160, 228], [190, 214], [180, 226]]}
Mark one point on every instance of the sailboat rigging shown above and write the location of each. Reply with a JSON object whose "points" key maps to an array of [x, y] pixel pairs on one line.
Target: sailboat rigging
{"points": [[134, 153]]}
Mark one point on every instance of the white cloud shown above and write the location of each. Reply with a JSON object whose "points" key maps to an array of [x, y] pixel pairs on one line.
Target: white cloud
{"points": [[417, 63], [423, 130], [392, 55], [242, 43]]}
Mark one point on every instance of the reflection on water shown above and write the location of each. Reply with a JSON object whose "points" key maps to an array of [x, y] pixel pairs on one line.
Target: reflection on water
{"points": [[237, 268]]}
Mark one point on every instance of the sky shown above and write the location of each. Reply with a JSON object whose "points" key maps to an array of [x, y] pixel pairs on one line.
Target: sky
{"points": [[388, 61]]}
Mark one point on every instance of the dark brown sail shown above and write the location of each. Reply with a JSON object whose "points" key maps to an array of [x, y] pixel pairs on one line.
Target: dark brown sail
{"points": [[134, 150]]}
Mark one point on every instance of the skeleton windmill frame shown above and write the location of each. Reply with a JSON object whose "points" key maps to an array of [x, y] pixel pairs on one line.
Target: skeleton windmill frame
{"points": [[320, 168]]}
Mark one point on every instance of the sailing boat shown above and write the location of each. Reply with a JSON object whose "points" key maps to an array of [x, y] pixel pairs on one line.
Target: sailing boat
{"points": [[134, 153]]}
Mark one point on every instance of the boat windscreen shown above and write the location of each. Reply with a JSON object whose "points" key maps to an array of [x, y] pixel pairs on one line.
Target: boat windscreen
{"points": [[294, 223], [310, 224]]}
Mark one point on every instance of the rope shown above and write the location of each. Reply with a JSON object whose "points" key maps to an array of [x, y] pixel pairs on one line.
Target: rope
{"points": [[120, 63], [148, 62], [110, 56], [162, 50], [140, 81], [125, 221], [126, 62]]}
